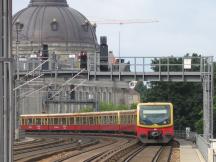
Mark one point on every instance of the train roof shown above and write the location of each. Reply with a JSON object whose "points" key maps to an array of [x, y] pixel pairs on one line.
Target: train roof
{"points": [[74, 114], [155, 103]]}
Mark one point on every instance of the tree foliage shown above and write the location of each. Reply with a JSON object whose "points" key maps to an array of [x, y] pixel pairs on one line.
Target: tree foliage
{"points": [[185, 96]]}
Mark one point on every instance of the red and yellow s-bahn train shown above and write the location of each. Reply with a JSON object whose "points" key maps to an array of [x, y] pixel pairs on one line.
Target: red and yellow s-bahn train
{"points": [[151, 122]]}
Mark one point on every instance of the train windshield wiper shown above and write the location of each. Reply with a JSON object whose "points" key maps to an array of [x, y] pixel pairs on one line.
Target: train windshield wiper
{"points": [[146, 121], [162, 121]]}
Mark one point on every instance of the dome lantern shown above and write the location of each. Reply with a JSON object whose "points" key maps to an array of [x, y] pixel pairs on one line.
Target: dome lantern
{"points": [[48, 3]]}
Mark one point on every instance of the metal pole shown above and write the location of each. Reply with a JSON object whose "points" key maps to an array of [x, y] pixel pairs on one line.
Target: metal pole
{"points": [[6, 96], [211, 97], [1, 87], [17, 56], [119, 45]]}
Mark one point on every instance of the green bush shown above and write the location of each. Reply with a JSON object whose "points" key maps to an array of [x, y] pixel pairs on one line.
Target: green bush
{"points": [[103, 106], [86, 109]]}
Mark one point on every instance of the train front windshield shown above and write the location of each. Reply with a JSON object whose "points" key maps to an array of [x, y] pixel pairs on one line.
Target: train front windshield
{"points": [[159, 114]]}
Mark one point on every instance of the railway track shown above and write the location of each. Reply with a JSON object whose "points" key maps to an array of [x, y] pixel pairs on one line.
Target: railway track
{"points": [[113, 154], [27, 142], [91, 149], [151, 154], [40, 143], [164, 154], [38, 153]]}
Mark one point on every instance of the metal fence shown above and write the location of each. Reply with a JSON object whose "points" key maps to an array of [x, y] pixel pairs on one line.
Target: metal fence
{"points": [[203, 146], [127, 64], [214, 157], [182, 134]]}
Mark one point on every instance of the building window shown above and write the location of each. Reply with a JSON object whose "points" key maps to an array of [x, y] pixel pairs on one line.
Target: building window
{"points": [[54, 25], [110, 97], [104, 96]]}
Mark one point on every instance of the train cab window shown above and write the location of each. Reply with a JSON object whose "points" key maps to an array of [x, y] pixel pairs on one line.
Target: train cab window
{"points": [[38, 121]]}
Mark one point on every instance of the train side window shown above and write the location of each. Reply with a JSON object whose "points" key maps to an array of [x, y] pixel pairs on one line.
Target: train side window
{"points": [[86, 118], [91, 121], [85, 122], [71, 121], [55, 120], [135, 119], [114, 119], [127, 119], [63, 121], [68, 121], [23, 120], [38, 121], [102, 120], [42, 121], [34, 121], [110, 120], [29, 121], [50, 121], [96, 120], [122, 119], [77, 120], [105, 120], [46, 121]]}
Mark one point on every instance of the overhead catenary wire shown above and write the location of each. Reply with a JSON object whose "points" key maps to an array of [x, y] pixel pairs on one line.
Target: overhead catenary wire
{"points": [[18, 87], [70, 91], [61, 89]]}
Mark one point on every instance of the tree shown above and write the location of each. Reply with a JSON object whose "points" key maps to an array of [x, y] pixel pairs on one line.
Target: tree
{"points": [[186, 97]]}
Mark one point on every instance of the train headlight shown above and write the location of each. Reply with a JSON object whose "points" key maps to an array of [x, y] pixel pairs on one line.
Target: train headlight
{"points": [[155, 133]]}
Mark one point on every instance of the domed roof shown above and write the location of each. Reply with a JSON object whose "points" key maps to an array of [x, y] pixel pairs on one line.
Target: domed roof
{"points": [[53, 21]]}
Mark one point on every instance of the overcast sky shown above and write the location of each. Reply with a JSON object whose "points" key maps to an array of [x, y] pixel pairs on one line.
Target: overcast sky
{"points": [[185, 26]]}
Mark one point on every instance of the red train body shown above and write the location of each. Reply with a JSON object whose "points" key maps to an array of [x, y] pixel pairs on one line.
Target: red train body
{"points": [[152, 124]]}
